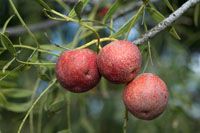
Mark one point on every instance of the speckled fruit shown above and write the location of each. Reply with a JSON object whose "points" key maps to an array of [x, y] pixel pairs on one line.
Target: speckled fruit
{"points": [[77, 71], [119, 61], [146, 96]]}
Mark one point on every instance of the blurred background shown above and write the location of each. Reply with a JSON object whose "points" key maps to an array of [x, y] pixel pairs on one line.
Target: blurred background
{"points": [[173, 54]]}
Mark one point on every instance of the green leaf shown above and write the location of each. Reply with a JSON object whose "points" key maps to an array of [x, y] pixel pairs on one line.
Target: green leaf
{"points": [[55, 102], [6, 24], [3, 100], [50, 47], [17, 93], [78, 9], [56, 106], [12, 75], [173, 32], [72, 13], [155, 14], [143, 48], [7, 65], [196, 14], [169, 5], [112, 10], [18, 107], [64, 131], [8, 84], [43, 4], [158, 17], [2, 63], [63, 5], [127, 26], [44, 77], [87, 125], [8, 44], [2, 50]]}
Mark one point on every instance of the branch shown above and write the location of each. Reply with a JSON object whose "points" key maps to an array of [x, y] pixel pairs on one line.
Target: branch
{"points": [[19, 30], [130, 7], [90, 1], [166, 22]]}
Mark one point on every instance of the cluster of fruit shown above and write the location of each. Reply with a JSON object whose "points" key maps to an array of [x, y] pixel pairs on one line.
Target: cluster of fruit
{"points": [[145, 95]]}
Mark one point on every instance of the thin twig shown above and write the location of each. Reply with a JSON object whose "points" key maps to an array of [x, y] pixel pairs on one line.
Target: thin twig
{"points": [[68, 112], [24, 24], [166, 22], [95, 41], [34, 103], [32, 100], [125, 120]]}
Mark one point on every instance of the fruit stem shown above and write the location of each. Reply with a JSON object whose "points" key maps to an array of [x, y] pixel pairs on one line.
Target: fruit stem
{"points": [[68, 112], [125, 120], [95, 41]]}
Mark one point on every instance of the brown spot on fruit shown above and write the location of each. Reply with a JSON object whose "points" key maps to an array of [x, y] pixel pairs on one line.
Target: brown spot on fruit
{"points": [[86, 72], [145, 112]]}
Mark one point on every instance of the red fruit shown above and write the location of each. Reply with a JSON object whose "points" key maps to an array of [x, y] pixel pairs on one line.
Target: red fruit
{"points": [[146, 96], [119, 61], [77, 71], [102, 12]]}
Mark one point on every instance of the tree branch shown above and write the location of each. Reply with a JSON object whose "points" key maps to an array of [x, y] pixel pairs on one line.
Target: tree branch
{"points": [[166, 22], [19, 30]]}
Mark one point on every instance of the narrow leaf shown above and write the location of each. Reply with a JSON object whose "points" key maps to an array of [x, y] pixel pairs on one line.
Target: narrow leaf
{"points": [[17, 93], [8, 84], [158, 17], [173, 32], [10, 73], [127, 26], [3, 100], [155, 14], [63, 4], [112, 10], [7, 65], [2, 50], [18, 107], [43, 4], [64, 131], [6, 24], [78, 9], [34, 103], [72, 13], [56, 106], [8, 44], [169, 5]]}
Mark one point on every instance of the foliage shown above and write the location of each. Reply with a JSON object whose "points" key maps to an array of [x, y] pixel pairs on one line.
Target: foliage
{"points": [[32, 101]]}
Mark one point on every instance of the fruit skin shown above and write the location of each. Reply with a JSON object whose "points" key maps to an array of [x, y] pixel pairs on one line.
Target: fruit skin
{"points": [[119, 61], [77, 71], [146, 97]]}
